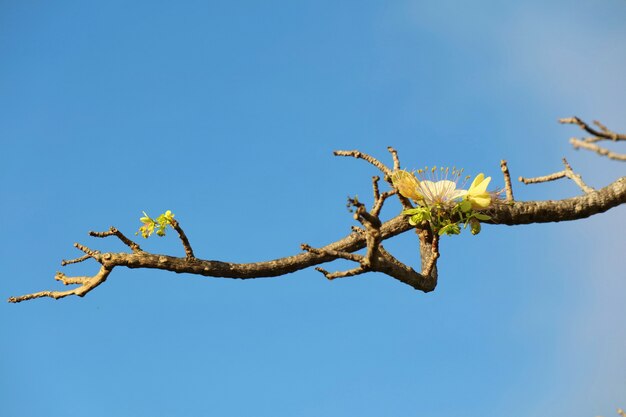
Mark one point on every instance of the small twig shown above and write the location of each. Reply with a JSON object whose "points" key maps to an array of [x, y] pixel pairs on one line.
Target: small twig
{"points": [[334, 253], [605, 133], [545, 178], [60, 276], [587, 144], [394, 155], [378, 205], [366, 157], [114, 232], [375, 180], [75, 261], [507, 180], [341, 274], [379, 199], [89, 252], [357, 230], [183, 238], [87, 284], [567, 172]]}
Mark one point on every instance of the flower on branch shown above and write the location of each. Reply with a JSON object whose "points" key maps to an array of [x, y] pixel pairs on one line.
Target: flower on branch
{"points": [[477, 194], [150, 224], [406, 184], [442, 192], [441, 204]]}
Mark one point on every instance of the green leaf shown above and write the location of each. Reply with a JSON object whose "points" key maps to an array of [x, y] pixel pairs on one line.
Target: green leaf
{"points": [[412, 211], [450, 229], [482, 217], [465, 206]]}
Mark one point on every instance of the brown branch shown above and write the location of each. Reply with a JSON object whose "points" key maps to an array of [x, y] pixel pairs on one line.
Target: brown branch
{"points": [[507, 180], [87, 284], [378, 205], [589, 143], [365, 157], [586, 144], [114, 232], [394, 156], [434, 255], [371, 236], [567, 172], [515, 213], [183, 239], [75, 261], [60, 276], [604, 134]]}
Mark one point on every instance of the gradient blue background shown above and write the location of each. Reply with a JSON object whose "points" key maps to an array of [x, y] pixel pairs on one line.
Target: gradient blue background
{"points": [[227, 113]]}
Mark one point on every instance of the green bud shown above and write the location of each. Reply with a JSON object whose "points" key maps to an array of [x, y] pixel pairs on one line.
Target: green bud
{"points": [[475, 226]]}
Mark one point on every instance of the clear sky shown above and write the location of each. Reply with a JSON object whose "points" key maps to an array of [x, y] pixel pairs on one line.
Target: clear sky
{"points": [[227, 113]]}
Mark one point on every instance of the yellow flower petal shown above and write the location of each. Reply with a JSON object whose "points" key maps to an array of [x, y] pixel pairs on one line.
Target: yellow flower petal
{"points": [[477, 193], [406, 184]]}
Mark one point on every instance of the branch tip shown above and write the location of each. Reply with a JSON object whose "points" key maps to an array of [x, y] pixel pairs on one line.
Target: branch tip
{"points": [[507, 180]]}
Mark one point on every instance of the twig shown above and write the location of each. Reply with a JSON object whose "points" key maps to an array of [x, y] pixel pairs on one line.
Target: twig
{"points": [[75, 261], [114, 232], [341, 274], [376, 191], [87, 284], [378, 205], [365, 157], [567, 172], [507, 180], [587, 144], [60, 276], [605, 133], [183, 239], [89, 252], [394, 155], [334, 253]]}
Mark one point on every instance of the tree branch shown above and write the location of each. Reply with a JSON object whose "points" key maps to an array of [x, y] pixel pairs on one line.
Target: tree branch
{"points": [[371, 236]]}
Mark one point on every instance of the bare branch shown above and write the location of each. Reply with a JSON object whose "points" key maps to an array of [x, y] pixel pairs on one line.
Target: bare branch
{"points": [[183, 239], [586, 144], [567, 172], [60, 276], [365, 157], [334, 253], [373, 232], [114, 232], [605, 133], [341, 274], [507, 180], [394, 155], [87, 284], [76, 260], [378, 205], [589, 143], [376, 191]]}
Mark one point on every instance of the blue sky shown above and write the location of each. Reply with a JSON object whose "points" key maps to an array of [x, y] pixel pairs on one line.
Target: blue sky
{"points": [[227, 113]]}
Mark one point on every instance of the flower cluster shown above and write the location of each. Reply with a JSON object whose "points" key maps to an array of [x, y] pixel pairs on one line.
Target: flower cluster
{"points": [[440, 202], [160, 223]]}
